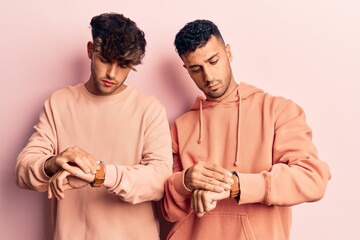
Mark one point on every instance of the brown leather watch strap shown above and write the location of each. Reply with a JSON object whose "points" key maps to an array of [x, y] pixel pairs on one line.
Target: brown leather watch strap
{"points": [[235, 187], [99, 176]]}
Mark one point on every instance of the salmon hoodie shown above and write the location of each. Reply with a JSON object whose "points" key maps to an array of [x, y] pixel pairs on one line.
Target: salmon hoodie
{"points": [[267, 141]]}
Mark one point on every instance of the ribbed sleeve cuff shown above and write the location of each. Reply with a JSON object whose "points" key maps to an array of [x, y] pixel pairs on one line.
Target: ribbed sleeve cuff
{"points": [[44, 176], [110, 176], [179, 184], [253, 188]]}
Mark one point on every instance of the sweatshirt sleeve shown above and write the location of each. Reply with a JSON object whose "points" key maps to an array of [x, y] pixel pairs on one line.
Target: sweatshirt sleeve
{"points": [[145, 181], [297, 175], [29, 169], [176, 202]]}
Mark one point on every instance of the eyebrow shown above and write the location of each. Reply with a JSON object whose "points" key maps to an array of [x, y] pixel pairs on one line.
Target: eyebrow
{"points": [[207, 60]]}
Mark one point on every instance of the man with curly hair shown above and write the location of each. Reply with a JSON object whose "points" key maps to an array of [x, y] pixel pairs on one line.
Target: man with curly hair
{"points": [[242, 157], [107, 142]]}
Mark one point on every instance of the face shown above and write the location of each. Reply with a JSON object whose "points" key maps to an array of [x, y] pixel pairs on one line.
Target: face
{"points": [[107, 77], [209, 67]]}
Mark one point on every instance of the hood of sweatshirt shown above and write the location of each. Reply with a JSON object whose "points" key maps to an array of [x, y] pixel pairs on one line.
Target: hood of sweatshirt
{"points": [[241, 93]]}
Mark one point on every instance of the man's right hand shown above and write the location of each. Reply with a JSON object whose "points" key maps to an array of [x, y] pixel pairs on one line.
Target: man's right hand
{"points": [[64, 180], [205, 201], [68, 159], [210, 177]]}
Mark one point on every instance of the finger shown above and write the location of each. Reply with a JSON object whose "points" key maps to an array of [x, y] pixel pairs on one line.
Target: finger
{"points": [[220, 177], [85, 161], [210, 176], [196, 179], [199, 203], [216, 169], [65, 165], [57, 185], [200, 214], [79, 157], [208, 201], [51, 190], [54, 192], [50, 195], [59, 194], [192, 202], [213, 186], [61, 180]]}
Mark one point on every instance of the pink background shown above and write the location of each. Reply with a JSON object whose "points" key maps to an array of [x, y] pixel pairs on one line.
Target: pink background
{"points": [[306, 50]]}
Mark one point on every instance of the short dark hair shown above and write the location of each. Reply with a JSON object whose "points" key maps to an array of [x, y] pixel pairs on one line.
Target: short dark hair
{"points": [[195, 34], [118, 39]]}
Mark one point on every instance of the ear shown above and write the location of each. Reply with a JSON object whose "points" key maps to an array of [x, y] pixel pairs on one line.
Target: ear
{"points": [[90, 49], [228, 52]]}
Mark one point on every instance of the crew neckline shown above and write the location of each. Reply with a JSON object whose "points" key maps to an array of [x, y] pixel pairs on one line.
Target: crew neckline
{"points": [[106, 97]]}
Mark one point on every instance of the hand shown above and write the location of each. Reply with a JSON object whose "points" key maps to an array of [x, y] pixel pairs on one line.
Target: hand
{"points": [[64, 180], [204, 201], [72, 160], [209, 177]]}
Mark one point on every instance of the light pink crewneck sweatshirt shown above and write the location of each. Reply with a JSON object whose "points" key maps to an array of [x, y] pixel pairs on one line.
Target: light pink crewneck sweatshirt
{"points": [[128, 130]]}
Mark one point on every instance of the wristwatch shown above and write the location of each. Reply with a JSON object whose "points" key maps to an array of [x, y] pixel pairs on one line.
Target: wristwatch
{"points": [[99, 176], [235, 191]]}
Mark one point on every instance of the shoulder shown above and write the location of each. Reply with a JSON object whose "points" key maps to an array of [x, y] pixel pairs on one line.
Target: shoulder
{"points": [[65, 93], [284, 110], [141, 98], [275, 102]]}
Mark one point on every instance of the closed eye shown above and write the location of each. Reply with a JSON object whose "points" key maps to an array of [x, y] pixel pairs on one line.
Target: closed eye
{"points": [[104, 60], [195, 70]]}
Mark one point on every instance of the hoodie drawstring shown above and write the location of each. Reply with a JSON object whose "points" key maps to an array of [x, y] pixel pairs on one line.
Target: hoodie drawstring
{"points": [[200, 123], [238, 131], [237, 153]]}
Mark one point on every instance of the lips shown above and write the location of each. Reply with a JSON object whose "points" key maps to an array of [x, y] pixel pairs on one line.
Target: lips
{"points": [[213, 86], [108, 83]]}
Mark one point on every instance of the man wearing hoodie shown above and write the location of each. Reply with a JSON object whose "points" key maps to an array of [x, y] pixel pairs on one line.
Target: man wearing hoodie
{"points": [[242, 157], [101, 119]]}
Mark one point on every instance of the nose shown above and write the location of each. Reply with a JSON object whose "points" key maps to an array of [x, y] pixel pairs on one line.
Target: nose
{"points": [[111, 71], [207, 75]]}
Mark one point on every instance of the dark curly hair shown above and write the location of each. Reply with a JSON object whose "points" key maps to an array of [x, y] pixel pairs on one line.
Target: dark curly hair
{"points": [[118, 39], [195, 34]]}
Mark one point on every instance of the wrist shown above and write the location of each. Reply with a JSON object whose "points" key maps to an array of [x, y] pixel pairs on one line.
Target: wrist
{"points": [[49, 168], [235, 191], [99, 175], [187, 187]]}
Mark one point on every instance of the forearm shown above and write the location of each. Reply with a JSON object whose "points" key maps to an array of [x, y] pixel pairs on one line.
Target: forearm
{"points": [[285, 185], [140, 183], [176, 202], [29, 172]]}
